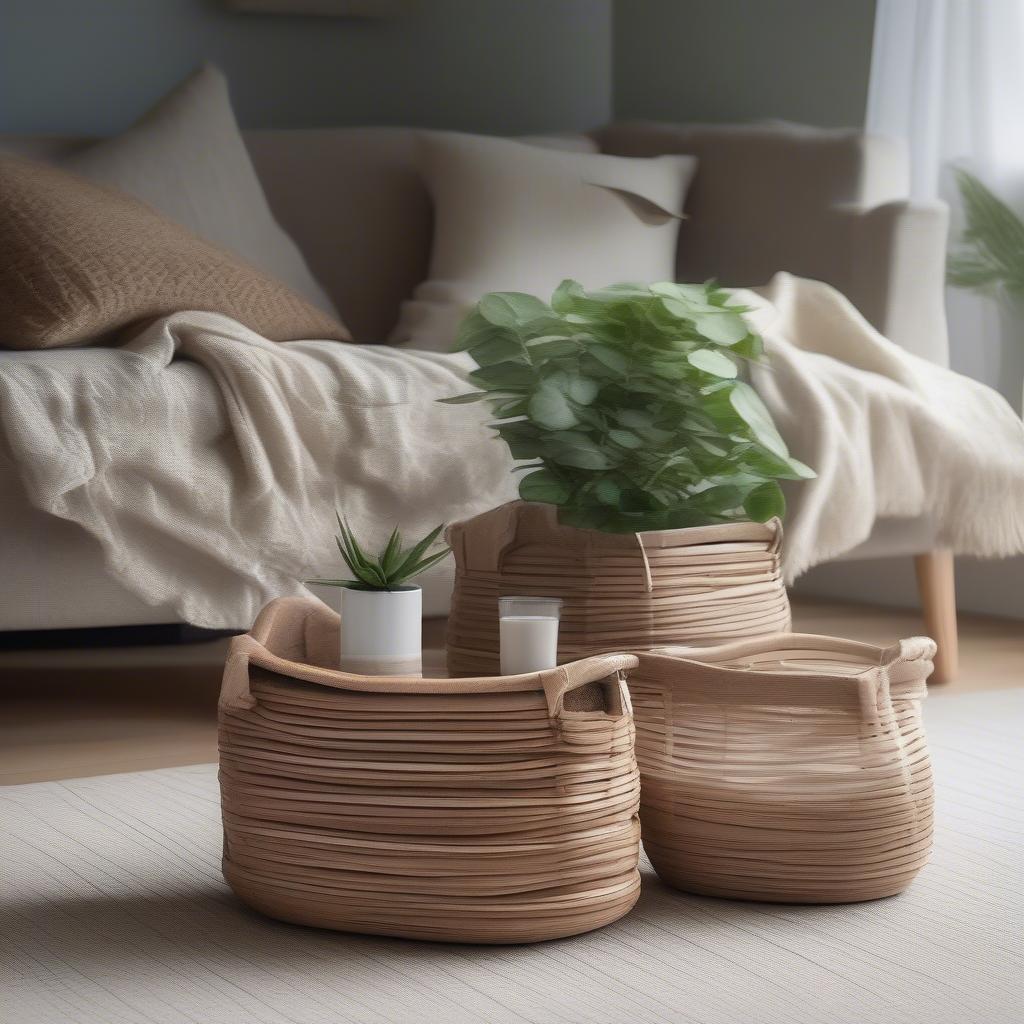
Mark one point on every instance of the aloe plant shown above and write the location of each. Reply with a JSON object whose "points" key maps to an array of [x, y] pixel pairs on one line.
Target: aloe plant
{"points": [[992, 251], [391, 568], [625, 405]]}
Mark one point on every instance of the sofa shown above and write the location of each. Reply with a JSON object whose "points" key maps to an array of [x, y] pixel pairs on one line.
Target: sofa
{"points": [[825, 204]]}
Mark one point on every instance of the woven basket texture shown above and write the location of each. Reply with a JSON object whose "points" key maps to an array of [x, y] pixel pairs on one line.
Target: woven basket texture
{"points": [[790, 768], [486, 810], [632, 591]]}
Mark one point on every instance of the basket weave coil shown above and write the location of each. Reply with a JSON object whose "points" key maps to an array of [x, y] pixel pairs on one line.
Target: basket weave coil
{"points": [[619, 591], [486, 810], [790, 768]]}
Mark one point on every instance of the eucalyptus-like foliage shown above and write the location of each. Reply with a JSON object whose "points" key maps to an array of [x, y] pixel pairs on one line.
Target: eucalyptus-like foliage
{"points": [[625, 404], [391, 568], [992, 250]]}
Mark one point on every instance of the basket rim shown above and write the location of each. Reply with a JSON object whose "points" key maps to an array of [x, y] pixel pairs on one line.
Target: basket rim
{"points": [[513, 523], [286, 623], [904, 665]]}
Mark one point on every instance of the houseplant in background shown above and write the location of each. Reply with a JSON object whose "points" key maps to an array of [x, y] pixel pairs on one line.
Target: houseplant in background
{"points": [[990, 258], [651, 470], [382, 613]]}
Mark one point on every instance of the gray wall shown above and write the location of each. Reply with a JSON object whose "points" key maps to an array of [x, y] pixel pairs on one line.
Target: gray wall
{"points": [[501, 66], [741, 60]]}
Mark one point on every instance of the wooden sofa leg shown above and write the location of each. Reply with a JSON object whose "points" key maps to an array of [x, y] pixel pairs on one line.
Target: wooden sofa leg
{"points": [[935, 585]]}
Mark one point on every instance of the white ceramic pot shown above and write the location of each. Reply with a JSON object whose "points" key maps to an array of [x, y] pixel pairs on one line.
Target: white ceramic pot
{"points": [[382, 632]]}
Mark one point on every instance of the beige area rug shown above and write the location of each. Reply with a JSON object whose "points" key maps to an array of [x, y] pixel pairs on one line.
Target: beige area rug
{"points": [[113, 910]]}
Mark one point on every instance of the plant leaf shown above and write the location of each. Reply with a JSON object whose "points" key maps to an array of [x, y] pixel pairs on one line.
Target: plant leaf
{"points": [[991, 224], [582, 389], [416, 552], [509, 309], [607, 491], [475, 330], [626, 438], [609, 357], [712, 361], [473, 396], [425, 564], [507, 407], [546, 349], [524, 439], [544, 486], [690, 294], [350, 554], [764, 502], [718, 498], [579, 455], [391, 557], [722, 328], [748, 405], [550, 408], [566, 295], [505, 348], [504, 375]]}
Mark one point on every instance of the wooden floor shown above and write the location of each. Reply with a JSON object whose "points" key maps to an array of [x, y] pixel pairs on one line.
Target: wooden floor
{"points": [[65, 714]]}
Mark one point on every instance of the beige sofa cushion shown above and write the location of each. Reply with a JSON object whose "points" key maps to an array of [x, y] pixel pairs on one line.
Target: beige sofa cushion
{"points": [[186, 158], [82, 261], [514, 217], [355, 201]]}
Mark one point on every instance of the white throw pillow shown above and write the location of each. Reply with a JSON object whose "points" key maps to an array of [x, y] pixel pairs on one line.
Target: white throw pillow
{"points": [[509, 216], [186, 158]]}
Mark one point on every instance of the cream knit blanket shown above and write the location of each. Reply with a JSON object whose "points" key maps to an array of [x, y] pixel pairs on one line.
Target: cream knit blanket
{"points": [[207, 461], [888, 433]]}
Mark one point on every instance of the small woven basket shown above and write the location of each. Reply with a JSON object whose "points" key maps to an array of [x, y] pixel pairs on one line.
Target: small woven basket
{"points": [[790, 768], [496, 810], [620, 591]]}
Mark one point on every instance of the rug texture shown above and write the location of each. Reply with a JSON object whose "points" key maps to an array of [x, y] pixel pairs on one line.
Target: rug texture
{"points": [[113, 910]]}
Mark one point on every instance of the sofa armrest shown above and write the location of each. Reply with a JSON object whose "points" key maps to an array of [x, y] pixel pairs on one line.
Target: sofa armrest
{"points": [[821, 203], [895, 272]]}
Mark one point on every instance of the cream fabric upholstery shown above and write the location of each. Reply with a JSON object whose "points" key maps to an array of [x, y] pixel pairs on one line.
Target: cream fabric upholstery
{"points": [[825, 204]]}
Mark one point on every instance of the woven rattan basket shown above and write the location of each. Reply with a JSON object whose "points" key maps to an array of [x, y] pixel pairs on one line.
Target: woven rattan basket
{"points": [[790, 768], [620, 591], [467, 810]]}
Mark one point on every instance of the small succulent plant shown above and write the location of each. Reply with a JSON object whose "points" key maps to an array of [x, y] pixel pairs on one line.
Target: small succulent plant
{"points": [[392, 568]]}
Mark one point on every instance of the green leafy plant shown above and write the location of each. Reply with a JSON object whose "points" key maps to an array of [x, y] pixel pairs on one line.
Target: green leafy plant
{"points": [[992, 251], [625, 404], [392, 568]]}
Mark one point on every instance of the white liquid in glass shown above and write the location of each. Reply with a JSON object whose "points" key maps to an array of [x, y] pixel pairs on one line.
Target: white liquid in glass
{"points": [[529, 643]]}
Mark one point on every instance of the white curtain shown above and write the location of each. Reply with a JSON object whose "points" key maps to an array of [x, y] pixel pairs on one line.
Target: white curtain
{"points": [[948, 76]]}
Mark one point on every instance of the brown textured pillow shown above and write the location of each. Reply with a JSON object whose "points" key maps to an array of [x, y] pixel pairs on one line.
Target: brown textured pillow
{"points": [[80, 261]]}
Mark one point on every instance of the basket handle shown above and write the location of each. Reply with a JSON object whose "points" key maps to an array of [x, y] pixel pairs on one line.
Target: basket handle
{"points": [[557, 682], [908, 664]]}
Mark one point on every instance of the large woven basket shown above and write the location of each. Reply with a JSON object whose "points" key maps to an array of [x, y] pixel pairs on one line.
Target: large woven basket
{"points": [[790, 768], [468, 810], [620, 591]]}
